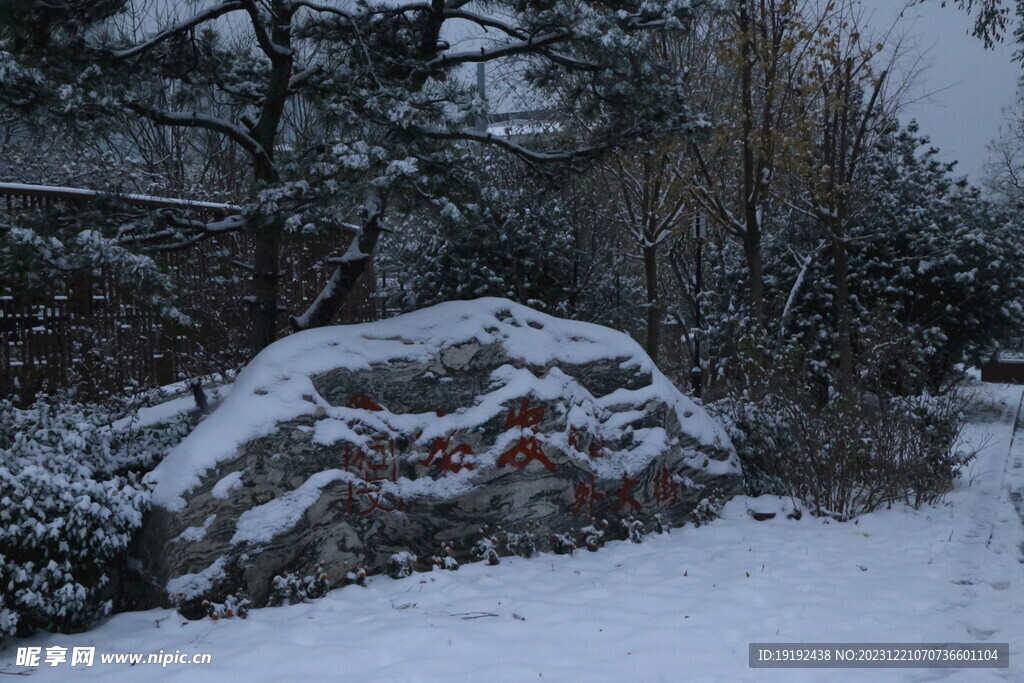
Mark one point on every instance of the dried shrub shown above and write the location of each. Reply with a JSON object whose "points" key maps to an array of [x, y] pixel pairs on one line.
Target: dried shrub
{"points": [[845, 457]]}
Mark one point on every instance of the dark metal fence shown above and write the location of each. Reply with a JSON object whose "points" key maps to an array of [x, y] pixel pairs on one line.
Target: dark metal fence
{"points": [[86, 332]]}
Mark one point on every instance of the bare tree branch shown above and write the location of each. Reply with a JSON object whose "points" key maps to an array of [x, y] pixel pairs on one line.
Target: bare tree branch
{"points": [[179, 29]]}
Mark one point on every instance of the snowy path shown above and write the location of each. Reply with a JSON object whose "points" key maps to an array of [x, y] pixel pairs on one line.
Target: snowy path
{"points": [[675, 608], [1013, 474], [989, 529]]}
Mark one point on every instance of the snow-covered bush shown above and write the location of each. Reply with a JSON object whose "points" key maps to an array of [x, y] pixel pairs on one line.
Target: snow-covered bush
{"points": [[593, 535], [235, 605], [523, 545], [634, 529], [846, 458], [71, 496], [291, 589], [486, 549], [401, 565], [446, 559], [562, 544], [357, 577], [707, 510]]}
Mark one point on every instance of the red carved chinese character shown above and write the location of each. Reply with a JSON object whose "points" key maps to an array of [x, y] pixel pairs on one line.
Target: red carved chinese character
{"points": [[376, 501], [587, 496], [526, 417], [665, 488], [451, 459], [381, 457], [530, 449], [354, 458], [528, 446], [625, 495], [364, 498], [375, 462], [363, 402]]}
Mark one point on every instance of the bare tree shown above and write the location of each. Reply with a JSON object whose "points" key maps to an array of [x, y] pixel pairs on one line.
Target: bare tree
{"points": [[653, 202], [756, 87], [853, 101], [1004, 172]]}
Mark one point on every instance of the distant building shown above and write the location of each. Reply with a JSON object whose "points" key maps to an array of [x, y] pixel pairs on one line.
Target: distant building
{"points": [[524, 126]]}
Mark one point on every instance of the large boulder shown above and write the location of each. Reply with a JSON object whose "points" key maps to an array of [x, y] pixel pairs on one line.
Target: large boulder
{"points": [[340, 447]]}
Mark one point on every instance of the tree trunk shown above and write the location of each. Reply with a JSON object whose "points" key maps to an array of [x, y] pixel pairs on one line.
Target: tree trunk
{"points": [[752, 180], [755, 271], [343, 280], [265, 279], [266, 269], [696, 372], [654, 310], [844, 320]]}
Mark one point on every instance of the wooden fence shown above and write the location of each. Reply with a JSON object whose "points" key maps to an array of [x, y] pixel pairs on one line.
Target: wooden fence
{"points": [[86, 332]]}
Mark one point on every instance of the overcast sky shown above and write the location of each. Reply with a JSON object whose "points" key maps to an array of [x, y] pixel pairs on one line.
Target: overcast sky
{"points": [[970, 86]]}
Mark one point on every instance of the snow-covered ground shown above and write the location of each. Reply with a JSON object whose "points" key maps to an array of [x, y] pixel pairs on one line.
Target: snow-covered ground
{"points": [[681, 607]]}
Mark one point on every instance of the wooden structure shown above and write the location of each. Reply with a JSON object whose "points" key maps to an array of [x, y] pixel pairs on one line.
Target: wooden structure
{"points": [[1003, 371], [20, 197], [86, 332]]}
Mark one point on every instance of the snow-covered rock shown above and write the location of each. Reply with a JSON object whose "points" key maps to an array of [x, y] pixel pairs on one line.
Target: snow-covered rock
{"points": [[340, 447]]}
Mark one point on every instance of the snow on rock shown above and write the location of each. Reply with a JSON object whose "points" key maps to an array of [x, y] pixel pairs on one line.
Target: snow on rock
{"points": [[261, 523], [224, 487], [196, 533], [342, 446], [191, 585]]}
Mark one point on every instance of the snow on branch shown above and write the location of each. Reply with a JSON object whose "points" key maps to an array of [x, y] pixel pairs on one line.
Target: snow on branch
{"points": [[320, 7], [487, 22], [299, 78], [509, 145], [183, 232], [350, 266], [794, 292], [276, 53], [179, 29], [484, 55], [193, 119], [57, 192]]}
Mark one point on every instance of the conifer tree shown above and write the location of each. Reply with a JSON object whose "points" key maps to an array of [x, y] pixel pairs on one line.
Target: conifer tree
{"points": [[344, 110]]}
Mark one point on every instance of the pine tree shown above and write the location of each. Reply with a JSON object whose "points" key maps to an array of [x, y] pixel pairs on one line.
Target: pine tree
{"points": [[343, 112], [935, 271]]}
